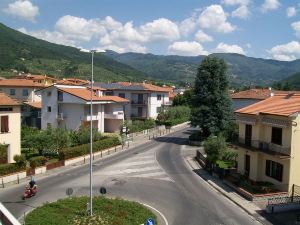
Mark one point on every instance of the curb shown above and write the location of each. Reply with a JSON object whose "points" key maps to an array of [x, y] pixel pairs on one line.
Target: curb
{"points": [[255, 216]]}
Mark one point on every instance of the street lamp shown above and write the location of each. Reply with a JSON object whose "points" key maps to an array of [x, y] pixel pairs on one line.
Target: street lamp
{"points": [[91, 138]]}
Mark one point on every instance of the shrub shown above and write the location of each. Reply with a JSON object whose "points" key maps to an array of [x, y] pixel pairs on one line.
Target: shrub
{"points": [[37, 161], [174, 115], [229, 155], [80, 150], [140, 125], [3, 153], [215, 147], [9, 168], [196, 136], [20, 161]]}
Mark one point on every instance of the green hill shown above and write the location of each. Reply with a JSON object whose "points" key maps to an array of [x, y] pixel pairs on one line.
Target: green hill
{"points": [[242, 69], [292, 82], [22, 52]]}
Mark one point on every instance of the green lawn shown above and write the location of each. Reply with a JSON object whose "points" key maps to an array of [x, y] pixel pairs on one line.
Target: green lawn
{"points": [[72, 211]]}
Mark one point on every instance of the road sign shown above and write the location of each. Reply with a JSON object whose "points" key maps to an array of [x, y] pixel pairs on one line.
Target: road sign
{"points": [[150, 221], [103, 190]]}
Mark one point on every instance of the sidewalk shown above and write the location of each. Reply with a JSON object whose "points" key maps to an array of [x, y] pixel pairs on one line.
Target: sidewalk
{"points": [[225, 190]]}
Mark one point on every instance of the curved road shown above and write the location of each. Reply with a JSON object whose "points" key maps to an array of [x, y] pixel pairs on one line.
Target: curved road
{"points": [[154, 173]]}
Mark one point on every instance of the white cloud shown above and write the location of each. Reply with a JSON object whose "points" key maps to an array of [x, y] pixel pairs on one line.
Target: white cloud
{"points": [[286, 52], [23, 9], [187, 48], [215, 19], [225, 48], [296, 27], [236, 2], [291, 11], [270, 5], [201, 37], [241, 12], [187, 26], [160, 30]]}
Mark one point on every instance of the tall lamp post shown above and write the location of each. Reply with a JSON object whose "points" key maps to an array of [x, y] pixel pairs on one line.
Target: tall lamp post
{"points": [[91, 138]]}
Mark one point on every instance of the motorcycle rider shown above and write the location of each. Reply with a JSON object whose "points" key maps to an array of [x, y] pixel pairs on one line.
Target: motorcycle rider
{"points": [[32, 184]]}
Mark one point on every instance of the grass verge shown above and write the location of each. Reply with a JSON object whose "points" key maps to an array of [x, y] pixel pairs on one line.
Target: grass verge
{"points": [[72, 211]]}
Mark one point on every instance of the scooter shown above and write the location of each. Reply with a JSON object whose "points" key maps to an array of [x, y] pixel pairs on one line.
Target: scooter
{"points": [[29, 192]]}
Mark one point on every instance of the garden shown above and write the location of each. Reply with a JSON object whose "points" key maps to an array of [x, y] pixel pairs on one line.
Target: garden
{"points": [[106, 211], [44, 147]]}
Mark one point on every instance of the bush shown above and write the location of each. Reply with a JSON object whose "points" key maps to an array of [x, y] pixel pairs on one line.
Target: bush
{"points": [[37, 161], [174, 115], [215, 147], [10, 168], [140, 125], [196, 136], [84, 149], [20, 161]]}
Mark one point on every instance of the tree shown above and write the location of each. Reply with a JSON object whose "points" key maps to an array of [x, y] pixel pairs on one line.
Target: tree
{"points": [[215, 148], [211, 103], [184, 99]]}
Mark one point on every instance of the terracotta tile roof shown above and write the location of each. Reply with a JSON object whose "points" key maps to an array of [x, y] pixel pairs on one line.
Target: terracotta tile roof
{"points": [[85, 94], [20, 83], [37, 105], [172, 95], [260, 94], [279, 104], [66, 82], [5, 100], [77, 81]]}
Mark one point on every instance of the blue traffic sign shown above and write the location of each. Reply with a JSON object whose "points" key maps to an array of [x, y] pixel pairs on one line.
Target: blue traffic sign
{"points": [[150, 221]]}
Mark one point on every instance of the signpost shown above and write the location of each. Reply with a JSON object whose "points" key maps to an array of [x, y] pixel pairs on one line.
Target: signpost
{"points": [[150, 221], [102, 190], [69, 191]]}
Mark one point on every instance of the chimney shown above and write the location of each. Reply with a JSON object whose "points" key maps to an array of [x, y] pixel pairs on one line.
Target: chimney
{"points": [[271, 92], [99, 93]]}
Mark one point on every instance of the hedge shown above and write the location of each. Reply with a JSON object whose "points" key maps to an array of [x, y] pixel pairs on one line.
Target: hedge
{"points": [[37, 161], [72, 152], [10, 168]]}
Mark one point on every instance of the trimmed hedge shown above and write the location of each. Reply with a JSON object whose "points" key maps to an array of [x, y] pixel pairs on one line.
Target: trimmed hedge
{"points": [[37, 161], [10, 168], [72, 152]]}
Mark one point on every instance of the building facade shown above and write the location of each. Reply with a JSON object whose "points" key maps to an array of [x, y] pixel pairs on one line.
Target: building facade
{"points": [[145, 100], [269, 141], [69, 107], [10, 128]]}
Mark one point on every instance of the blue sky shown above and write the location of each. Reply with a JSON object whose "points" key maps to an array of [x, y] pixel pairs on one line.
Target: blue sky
{"points": [[258, 28]]}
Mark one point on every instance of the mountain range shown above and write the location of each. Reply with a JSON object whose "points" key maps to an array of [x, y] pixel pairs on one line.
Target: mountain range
{"points": [[22, 52]]}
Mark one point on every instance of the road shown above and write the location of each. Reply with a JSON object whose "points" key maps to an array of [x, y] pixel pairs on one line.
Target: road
{"points": [[154, 173]]}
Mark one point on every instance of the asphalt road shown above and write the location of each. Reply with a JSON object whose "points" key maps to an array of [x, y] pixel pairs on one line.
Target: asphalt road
{"points": [[154, 173]]}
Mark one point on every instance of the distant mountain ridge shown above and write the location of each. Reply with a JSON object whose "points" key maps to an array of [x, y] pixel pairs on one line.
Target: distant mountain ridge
{"points": [[23, 52], [242, 69]]}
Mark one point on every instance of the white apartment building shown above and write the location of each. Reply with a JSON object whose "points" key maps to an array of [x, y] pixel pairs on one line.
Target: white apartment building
{"points": [[10, 128], [145, 100], [68, 107]]}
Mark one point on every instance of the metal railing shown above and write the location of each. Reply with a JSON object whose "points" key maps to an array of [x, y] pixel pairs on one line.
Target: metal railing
{"points": [[264, 146], [139, 102]]}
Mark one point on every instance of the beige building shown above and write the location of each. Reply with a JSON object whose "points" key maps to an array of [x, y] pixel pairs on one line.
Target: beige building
{"points": [[269, 140], [10, 127]]}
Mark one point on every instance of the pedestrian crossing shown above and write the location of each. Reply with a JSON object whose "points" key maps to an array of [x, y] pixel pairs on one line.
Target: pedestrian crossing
{"points": [[141, 165]]}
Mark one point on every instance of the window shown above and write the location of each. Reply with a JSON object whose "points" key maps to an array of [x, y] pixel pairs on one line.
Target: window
{"points": [[49, 108], [60, 96], [4, 124], [158, 109], [158, 97], [276, 135], [8, 109], [274, 170], [25, 92], [49, 93], [109, 93], [12, 91], [122, 95]]}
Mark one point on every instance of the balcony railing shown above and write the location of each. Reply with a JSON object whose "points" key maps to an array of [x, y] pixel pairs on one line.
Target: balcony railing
{"points": [[88, 117], [263, 146], [139, 102], [136, 116], [117, 116]]}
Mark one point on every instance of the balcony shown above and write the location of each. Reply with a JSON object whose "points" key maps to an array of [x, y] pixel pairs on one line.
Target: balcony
{"points": [[89, 117], [138, 102], [116, 116], [136, 116], [266, 147], [61, 116]]}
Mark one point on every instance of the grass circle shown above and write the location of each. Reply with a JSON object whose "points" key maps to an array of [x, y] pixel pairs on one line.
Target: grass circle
{"points": [[106, 211]]}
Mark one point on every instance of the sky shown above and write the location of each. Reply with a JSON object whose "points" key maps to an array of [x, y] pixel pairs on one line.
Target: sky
{"points": [[258, 28]]}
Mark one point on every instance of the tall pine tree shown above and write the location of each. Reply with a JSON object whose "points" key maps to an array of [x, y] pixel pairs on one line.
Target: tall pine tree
{"points": [[211, 102]]}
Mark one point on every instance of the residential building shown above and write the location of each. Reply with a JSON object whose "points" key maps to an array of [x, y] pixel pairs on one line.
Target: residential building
{"points": [[41, 79], [248, 97], [269, 140], [72, 81], [25, 91], [10, 128], [68, 107], [146, 100]]}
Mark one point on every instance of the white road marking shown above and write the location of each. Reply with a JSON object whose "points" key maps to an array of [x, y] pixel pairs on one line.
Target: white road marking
{"points": [[162, 215]]}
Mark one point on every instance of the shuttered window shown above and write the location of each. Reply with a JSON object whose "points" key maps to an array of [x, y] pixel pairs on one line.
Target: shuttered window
{"points": [[4, 124]]}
